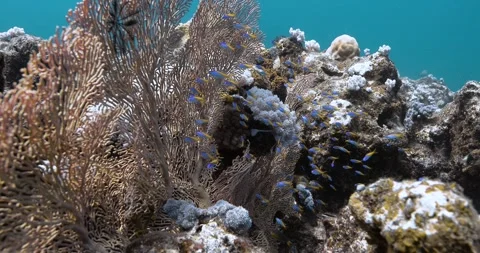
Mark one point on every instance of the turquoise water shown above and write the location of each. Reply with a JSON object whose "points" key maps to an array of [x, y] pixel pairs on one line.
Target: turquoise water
{"points": [[440, 36]]}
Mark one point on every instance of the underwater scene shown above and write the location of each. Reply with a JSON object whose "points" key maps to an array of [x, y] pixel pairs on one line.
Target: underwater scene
{"points": [[239, 126]]}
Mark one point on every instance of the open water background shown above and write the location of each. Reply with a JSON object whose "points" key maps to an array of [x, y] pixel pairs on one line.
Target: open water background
{"points": [[440, 37]]}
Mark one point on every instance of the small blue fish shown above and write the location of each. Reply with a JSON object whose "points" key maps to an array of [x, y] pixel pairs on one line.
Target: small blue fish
{"points": [[304, 119], [271, 104], [306, 70], [245, 66], [243, 124], [194, 92], [344, 150], [191, 140], [243, 117], [218, 75], [314, 150], [280, 223], [283, 184], [369, 155], [297, 208], [227, 82], [333, 187], [206, 155], [196, 100], [201, 122], [228, 16], [249, 35], [226, 45], [327, 177], [262, 199], [352, 142], [316, 172], [259, 59], [367, 167], [351, 135], [240, 46], [320, 202], [241, 26], [235, 106], [335, 139], [394, 136], [329, 108], [314, 185], [211, 166], [302, 146], [278, 149], [203, 135], [355, 161], [290, 64], [359, 173], [267, 122], [201, 81], [354, 114], [347, 167]]}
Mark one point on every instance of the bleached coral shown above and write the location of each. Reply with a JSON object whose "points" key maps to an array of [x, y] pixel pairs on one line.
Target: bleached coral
{"points": [[269, 109], [12, 32], [312, 46], [424, 96], [384, 50], [297, 34], [360, 68], [187, 215], [366, 51], [390, 83], [246, 78], [340, 115], [356, 82]]}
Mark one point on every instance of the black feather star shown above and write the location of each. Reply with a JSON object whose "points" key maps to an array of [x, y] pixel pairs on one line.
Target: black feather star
{"points": [[119, 24]]}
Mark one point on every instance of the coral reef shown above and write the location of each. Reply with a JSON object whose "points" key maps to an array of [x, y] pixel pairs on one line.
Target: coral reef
{"points": [[122, 136]]}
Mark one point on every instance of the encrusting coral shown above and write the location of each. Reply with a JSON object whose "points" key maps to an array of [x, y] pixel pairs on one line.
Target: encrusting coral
{"points": [[409, 216]]}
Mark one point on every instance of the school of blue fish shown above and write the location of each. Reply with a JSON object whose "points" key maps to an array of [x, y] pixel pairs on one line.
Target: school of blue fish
{"points": [[340, 152]]}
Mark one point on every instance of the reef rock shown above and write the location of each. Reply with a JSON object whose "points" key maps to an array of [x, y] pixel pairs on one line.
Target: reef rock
{"points": [[424, 97], [409, 216], [15, 49]]}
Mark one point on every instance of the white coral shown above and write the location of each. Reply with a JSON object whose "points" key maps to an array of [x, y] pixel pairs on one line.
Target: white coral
{"points": [[356, 82], [384, 50], [360, 68], [390, 83], [312, 46], [298, 34], [268, 108]]}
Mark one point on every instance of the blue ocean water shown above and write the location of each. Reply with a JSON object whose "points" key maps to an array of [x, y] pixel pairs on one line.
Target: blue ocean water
{"points": [[440, 37]]}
